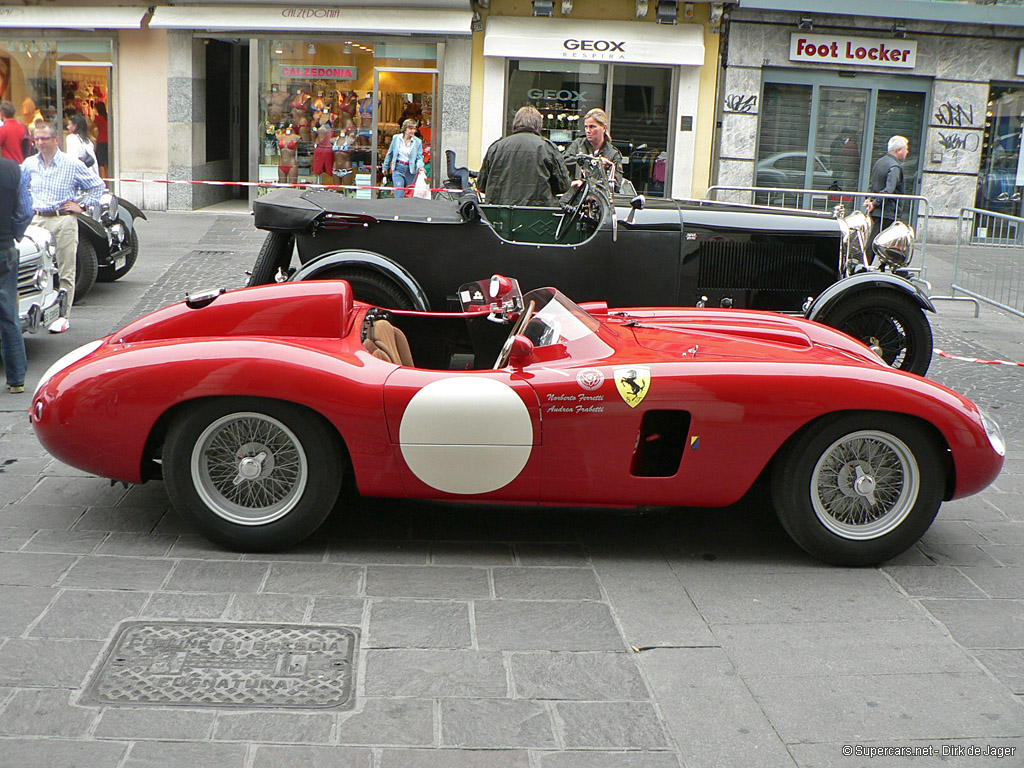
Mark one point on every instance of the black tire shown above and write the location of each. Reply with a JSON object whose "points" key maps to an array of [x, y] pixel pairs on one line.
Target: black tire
{"points": [[109, 274], [291, 465], [275, 255], [858, 489], [86, 266], [888, 321], [370, 286]]}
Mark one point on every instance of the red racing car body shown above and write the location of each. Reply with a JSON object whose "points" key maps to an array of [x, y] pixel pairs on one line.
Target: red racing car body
{"points": [[253, 404]]}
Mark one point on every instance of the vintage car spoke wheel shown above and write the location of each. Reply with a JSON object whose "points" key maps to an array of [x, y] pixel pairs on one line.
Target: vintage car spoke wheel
{"points": [[894, 326], [859, 489], [109, 274], [252, 474], [275, 255], [86, 265]]}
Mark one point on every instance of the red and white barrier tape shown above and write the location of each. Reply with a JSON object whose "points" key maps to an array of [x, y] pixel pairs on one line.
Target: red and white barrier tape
{"points": [[303, 185], [940, 353]]}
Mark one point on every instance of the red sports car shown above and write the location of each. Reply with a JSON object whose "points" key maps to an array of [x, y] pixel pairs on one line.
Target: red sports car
{"points": [[253, 405]]}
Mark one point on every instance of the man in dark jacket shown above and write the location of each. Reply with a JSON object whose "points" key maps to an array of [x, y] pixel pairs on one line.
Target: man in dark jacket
{"points": [[15, 215], [523, 168], [887, 179]]}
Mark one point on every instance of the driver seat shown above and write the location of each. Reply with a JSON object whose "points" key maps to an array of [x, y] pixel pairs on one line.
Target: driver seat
{"points": [[388, 343]]}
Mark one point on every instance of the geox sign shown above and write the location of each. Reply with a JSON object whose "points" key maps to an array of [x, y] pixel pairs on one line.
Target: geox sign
{"points": [[593, 49]]}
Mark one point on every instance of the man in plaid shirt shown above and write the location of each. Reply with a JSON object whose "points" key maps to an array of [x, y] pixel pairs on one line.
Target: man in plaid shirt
{"points": [[55, 181]]}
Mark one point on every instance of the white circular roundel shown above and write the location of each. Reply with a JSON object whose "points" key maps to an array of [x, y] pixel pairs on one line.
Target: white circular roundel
{"points": [[466, 434]]}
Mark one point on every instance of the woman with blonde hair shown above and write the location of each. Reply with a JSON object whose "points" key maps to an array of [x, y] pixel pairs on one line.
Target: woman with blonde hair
{"points": [[595, 141], [405, 157]]}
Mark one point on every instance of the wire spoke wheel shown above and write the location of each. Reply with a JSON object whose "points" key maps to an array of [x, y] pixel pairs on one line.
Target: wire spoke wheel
{"points": [[864, 485], [884, 333], [249, 468]]}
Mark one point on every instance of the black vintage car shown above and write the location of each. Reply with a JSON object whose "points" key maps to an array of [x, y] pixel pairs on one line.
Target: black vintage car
{"points": [[108, 244], [409, 253]]}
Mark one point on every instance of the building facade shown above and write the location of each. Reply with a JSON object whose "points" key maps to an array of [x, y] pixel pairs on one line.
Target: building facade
{"points": [[809, 99]]}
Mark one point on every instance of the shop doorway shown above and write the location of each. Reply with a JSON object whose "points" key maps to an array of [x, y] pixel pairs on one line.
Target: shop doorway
{"points": [[824, 132], [85, 90], [1001, 181], [226, 118], [400, 94]]}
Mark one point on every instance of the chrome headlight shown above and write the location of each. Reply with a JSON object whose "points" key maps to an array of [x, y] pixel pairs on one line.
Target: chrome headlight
{"points": [[107, 209], [995, 435], [895, 244], [856, 229]]}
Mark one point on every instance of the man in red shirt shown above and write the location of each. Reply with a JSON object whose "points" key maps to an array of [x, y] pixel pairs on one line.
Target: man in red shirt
{"points": [[11, 134]]}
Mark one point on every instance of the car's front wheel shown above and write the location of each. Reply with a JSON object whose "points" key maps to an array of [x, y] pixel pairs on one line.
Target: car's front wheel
{"points": [[892, 324], [858, 489], [251, 474]]}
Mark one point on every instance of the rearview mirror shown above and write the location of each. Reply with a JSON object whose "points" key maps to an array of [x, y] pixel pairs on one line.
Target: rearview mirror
{"points": [[522, 351]]}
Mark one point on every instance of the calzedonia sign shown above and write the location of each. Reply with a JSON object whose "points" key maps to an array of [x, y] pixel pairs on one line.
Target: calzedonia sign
{"points": [[856, 51], [318, 71]]}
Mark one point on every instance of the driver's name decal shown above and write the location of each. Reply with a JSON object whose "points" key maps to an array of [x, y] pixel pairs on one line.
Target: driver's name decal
{"points": [[633, 383], [574, 403]]}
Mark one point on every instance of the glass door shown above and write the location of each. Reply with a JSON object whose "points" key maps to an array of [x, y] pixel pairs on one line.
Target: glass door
{"points": [[1001, 182], [838, 150], [401, 94], [640, 107], [85, 90]]}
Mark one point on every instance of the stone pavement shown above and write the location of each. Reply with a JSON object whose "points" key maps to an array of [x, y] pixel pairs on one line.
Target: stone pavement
{"points": [[498, 637]]}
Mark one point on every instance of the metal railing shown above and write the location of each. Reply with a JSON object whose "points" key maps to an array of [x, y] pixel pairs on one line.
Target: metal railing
{"points": [[989, 261], [913, 209]]}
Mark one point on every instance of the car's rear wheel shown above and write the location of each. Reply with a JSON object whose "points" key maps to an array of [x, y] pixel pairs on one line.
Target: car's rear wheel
{"points": [[892, 324], [252, 474], [858, 489], [274, 256], [86, 266], [109, 274], [369, 286]]}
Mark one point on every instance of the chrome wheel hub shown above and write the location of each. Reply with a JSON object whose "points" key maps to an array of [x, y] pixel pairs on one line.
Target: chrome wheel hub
{"points": [[865, 485]]}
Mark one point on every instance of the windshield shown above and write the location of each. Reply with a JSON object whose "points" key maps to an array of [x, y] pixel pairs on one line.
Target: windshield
{"points": [[558, 320]]}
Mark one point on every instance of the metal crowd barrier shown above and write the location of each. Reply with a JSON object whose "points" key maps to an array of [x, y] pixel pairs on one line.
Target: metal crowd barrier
{"points": [[989, 261], [913, 209]]}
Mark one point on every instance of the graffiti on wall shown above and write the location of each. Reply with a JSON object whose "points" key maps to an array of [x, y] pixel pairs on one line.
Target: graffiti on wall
{"points": [[740, 102], [955, 115], [969, 142]]}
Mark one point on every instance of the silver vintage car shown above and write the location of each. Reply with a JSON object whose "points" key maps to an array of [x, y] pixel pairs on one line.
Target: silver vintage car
{"points": [[39, 301]]}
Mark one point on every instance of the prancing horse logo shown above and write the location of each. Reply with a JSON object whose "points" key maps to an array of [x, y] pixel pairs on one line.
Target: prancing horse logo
{"points": [[633, 383]]}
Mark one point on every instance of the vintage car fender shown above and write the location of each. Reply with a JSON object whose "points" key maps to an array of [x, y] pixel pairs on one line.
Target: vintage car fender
{"points": [[368, 259], [134, 210], [843, 289], [94, 227]]}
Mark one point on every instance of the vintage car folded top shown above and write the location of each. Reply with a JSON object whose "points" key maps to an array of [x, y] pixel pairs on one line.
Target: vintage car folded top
{"points": [[254, 405], [409, 253]]}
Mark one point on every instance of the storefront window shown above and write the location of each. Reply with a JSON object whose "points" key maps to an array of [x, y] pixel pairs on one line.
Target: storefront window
{"points": [[639, 109], [827, 135], [1001, 181], [53, 79], [328, 108]]}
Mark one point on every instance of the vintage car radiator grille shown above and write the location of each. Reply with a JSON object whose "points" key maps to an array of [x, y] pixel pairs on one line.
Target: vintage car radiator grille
{"points": [[26, 277], [756, 266]]}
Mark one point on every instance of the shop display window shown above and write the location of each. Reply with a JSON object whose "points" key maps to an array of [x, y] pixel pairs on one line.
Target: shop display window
{"points": [[52, 79], [1001, 181], [637, 99], [328, 108]]}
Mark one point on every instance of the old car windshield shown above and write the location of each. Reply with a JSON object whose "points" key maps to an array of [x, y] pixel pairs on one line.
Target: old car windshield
{"points": [[558, 320]]}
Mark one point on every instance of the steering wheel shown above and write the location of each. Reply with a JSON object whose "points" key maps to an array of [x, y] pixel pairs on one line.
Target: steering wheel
{"points": [[572, 211], [506, 350]]}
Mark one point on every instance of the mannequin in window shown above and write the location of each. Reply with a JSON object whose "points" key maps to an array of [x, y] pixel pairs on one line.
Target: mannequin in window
{"points": [[347, 108], [274, 101], [366, 111], [300, 105], [288, 142], [323, 153], [344, 143]]}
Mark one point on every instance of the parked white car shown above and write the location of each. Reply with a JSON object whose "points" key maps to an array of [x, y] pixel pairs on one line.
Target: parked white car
{"points": [[39, 301]]}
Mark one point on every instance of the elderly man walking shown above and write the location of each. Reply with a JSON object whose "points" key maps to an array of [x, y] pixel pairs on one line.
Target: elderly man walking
{"points": [[887, 179], [55, 181]]}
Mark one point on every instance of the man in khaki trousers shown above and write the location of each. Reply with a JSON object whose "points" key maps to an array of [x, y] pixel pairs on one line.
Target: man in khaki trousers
{"points": [[56, 180]]}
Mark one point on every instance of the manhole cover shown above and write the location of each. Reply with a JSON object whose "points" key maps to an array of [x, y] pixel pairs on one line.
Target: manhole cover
{"points": [[228, 665]]}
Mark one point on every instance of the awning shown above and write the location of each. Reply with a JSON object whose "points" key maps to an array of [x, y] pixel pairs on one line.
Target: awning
{"points": [[65, 17], [631, 42], [312, 19]]}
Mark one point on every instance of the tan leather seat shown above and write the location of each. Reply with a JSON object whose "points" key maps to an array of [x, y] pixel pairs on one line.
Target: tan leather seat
{"points": [[385, 341]]}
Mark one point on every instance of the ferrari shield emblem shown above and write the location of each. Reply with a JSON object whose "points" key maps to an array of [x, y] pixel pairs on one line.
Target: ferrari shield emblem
{"points": [[633, 383]]}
